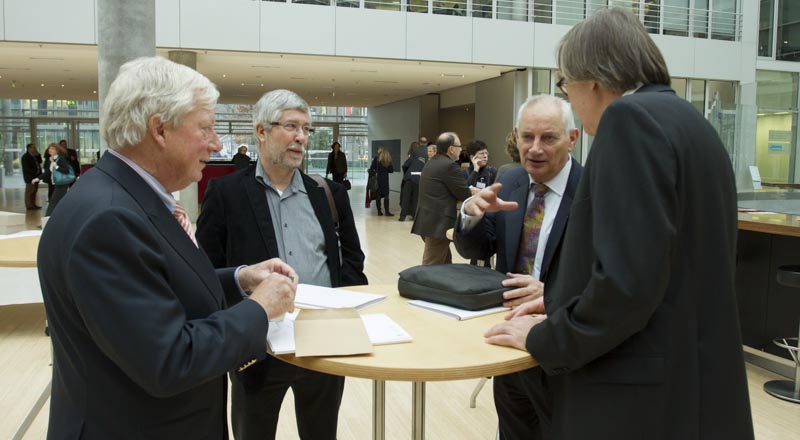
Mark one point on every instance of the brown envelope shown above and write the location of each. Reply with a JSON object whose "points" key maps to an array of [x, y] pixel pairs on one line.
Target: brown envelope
{"points": [[330, 332]]}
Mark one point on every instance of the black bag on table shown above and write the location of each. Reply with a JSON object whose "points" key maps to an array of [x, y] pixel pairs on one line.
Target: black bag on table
{"points": [[458, 285]]}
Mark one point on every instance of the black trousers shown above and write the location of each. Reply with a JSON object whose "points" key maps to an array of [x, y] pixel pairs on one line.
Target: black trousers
{"points": [[338, 177], [255, 406], [523, 402], [59, 191], [408, 198]]}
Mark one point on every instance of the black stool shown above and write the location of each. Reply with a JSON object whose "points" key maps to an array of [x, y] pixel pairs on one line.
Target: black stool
{"points": [[786, 389]]}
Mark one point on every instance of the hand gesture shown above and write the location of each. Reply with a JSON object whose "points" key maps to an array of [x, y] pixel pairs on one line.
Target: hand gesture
{"points": [[252, 276], [527, 289], [486, 200], [275, 294]]}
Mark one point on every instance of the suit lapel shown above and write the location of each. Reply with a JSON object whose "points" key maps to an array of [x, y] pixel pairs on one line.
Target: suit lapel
{"points": [[260, 208], [513, 219], [163, 221], [560, 222]]}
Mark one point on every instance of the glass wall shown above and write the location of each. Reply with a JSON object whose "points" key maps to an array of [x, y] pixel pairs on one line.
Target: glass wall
{"points": [[788, 37], [776, 126], [766, 31]]}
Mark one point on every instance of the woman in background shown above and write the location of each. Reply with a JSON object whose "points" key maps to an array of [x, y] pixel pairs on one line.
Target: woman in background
{"points": [[337, 163], [58, 161], [382, 166]]}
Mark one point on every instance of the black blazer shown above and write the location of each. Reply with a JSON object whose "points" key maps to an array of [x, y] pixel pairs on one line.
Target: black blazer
{"points": [[642, 336], [141, 342], [499, 232], [31, 167], [441, 185], [235, 226]]}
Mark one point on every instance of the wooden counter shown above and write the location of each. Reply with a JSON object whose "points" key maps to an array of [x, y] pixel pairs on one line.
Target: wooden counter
{"points": [[778, 224]]}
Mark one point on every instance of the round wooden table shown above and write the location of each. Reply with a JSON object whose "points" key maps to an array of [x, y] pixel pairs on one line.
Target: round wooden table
{"points": [[443, 349], [19, 251]]}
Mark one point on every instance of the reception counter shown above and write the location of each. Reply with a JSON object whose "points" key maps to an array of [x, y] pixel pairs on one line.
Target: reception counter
{"points": [[767, 309]]}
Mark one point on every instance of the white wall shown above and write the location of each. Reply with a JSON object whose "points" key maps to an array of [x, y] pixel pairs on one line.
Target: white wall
{"points": [[494, 114], [2, 21], [398, 120], [58, 21], [458, 96], [249, 25], [167, 14]]}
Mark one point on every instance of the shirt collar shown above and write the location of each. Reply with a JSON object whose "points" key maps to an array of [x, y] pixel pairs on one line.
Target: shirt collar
{"points": [[557, 184], [296, 184], [165, 197], [633, 90]]}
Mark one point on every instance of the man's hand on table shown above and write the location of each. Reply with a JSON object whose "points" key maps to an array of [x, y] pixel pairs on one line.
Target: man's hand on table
{"points": [[520, 321]]}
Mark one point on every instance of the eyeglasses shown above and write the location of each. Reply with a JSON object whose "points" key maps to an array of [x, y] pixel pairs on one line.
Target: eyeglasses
{"points": [[293, 127], [562, 84]]}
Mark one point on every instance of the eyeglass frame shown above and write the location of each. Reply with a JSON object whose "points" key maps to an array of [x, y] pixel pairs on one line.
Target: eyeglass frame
{"points": [[562, 85], [305, 129]]}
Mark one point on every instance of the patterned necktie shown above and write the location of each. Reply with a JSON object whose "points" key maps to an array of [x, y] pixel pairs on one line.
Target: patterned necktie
{"points": [[180, 215], [531, 226]]}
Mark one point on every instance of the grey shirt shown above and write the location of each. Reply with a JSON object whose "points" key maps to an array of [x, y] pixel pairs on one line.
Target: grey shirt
{"points": [[301, 243]]}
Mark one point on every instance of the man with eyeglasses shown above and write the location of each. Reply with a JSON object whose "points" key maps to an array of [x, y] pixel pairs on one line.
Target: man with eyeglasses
{"points": [[441, 185], [274, 209]]}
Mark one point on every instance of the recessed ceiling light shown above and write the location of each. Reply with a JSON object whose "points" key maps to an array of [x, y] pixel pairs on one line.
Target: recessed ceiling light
{"points": [[94, 91], [224, 76], [42, 84]]}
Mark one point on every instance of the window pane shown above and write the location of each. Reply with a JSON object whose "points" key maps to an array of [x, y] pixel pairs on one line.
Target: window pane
{"points": [[789, 31], [776, 126], [679, 85], [723, 23], [698, 95], [765, 30]]}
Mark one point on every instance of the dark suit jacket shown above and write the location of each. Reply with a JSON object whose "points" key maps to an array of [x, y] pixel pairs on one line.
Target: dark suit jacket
{"points": [[74, 162], [499, 232], [235, 227], [440, 187], [642, 336], [415, 163], [141, 342], [31, 167]]}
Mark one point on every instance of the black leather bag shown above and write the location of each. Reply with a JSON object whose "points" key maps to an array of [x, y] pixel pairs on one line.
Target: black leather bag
{"points": [[459, 285]]}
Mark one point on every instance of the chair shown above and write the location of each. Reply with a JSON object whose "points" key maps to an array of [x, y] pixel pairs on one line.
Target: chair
{"points": [[786, 389]]}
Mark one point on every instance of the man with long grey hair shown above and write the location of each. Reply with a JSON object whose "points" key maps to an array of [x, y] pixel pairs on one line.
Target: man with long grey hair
{"points": [[273, 210], [143, 328], [641, 336]]}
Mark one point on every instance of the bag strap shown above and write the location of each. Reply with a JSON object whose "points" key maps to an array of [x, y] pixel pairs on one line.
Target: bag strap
{"points": [[329, 195]]}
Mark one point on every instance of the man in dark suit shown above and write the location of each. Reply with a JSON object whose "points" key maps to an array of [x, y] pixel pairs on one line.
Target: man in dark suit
{"points": [[31, 171], [412, 169], [441, 185], [275, 210], [143, 328], [641, 337], [241, 160], [546, 135]]}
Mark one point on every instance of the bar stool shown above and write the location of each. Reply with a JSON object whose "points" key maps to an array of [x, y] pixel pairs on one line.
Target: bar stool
{"points": [[786, 389]]}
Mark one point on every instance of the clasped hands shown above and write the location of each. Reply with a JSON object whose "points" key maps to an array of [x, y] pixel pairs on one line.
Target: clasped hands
{"points": [[273, 284]]}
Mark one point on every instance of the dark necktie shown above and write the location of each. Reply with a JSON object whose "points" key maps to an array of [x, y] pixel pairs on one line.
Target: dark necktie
{"points": [[531, 226], [180, 214]]}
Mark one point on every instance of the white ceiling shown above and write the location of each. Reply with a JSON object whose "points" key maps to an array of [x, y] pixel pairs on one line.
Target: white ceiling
{"points": [[53, 71]]}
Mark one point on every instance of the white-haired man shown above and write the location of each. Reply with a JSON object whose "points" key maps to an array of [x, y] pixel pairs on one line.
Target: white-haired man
{"points": [[143, 328], [273, 210]]}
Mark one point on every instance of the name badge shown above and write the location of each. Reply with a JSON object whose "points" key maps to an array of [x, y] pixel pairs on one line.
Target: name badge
{"points": [[480, 185]]}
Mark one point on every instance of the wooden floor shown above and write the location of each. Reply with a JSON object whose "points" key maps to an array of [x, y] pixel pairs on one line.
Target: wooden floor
{"points": [[25, 360]]}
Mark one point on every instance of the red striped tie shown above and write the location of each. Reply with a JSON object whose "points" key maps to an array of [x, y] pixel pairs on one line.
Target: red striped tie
{"points": [[180, 214]]}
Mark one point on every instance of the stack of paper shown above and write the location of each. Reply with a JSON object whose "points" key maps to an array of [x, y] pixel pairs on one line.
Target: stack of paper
{"points": [[453, 312], [381, 330], [327, 298]]}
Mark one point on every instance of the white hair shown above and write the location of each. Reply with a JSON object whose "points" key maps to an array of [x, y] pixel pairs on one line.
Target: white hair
{"points": [[150, 86], [271, 106], [567, 119]]}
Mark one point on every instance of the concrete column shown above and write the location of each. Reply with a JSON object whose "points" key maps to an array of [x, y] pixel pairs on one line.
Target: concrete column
{"points": [[125, 30], [188, 195], [185, 57]]}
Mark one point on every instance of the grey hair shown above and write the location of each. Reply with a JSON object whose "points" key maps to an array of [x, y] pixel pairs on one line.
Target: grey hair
{"points": [[272, 105], [567, 118], [612, 48], [150, 86]]}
